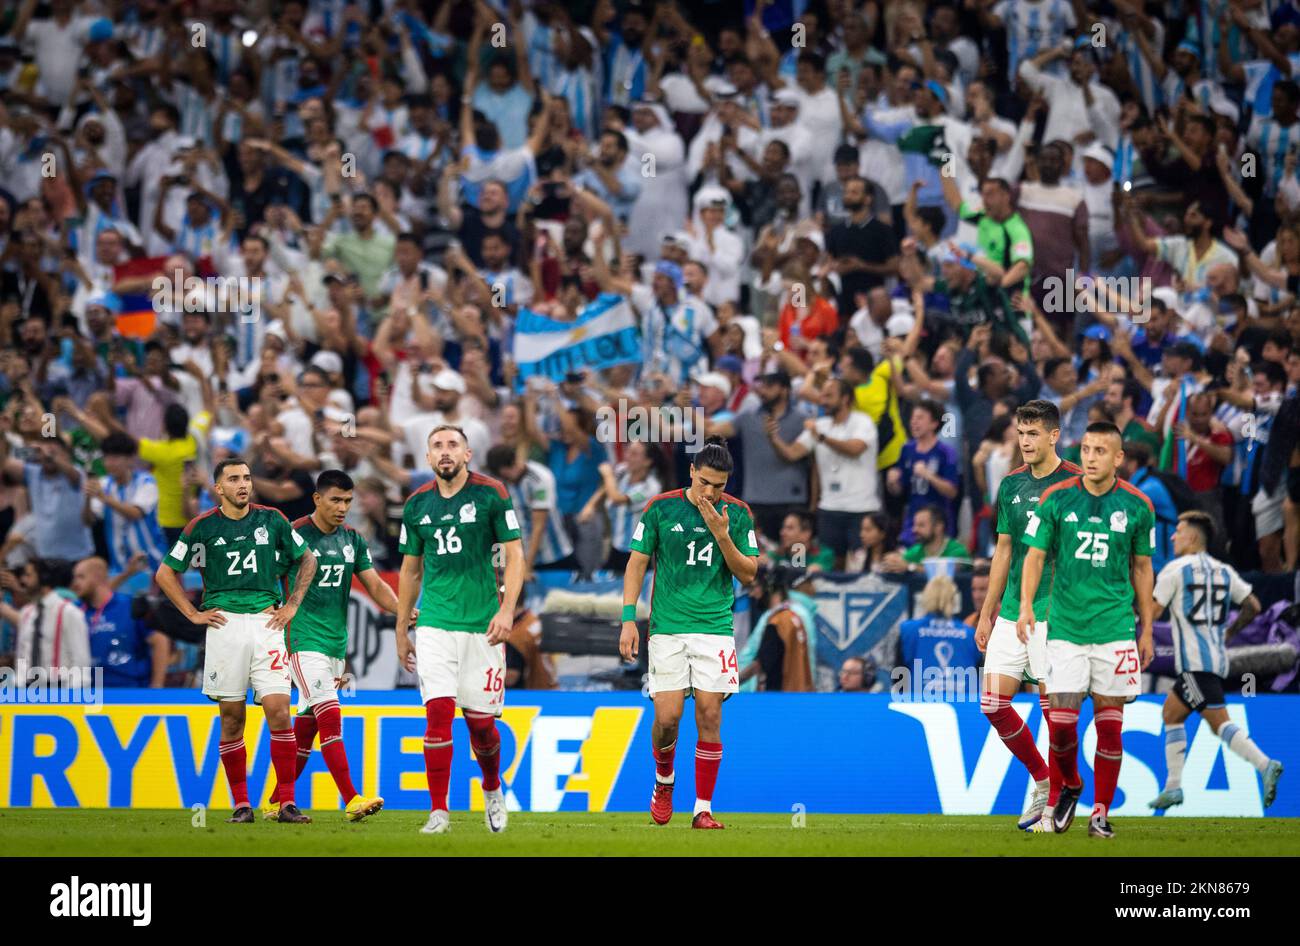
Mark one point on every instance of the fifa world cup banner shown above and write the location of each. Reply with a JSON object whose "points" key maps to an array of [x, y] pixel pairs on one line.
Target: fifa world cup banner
{"points": [[605, 333], [830, 753]]}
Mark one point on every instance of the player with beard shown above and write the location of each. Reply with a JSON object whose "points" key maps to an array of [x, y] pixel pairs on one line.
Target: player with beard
{"points": [[455, 531]]}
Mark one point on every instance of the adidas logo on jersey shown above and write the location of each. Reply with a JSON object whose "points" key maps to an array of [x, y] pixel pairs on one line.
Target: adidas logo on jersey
{"points": [[426, 521], [1016, 501], [677, 528], [1071, 518], [220, 541]]}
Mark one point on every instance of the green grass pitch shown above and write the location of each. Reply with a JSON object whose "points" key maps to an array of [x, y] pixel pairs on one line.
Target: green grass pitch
{"points": [[170, 833]]}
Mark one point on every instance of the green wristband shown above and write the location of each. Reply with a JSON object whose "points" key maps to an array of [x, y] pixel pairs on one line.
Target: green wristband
{"points": [[629, 612]]}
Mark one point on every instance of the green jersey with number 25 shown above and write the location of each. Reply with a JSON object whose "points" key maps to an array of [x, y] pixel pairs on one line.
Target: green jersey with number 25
{"points": [[1092, 541], [692, 591]]}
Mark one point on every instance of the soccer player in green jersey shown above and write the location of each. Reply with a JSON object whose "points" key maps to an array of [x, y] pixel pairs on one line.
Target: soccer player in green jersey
{"points": [[451, 529], [1098, 533], [236, 547], [317, 640], [1009, 660], [699, 538]]}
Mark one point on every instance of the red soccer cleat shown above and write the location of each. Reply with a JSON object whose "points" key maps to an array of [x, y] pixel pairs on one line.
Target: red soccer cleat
{"points": [[705, 820], [661, 802]]}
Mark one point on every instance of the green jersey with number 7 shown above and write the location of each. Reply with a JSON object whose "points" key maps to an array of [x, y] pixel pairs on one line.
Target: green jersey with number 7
{"points": [[1091, 541], [692, 591]]}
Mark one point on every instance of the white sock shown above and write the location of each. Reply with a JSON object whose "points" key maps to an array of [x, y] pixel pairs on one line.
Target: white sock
{"points": [[1237, 740], [702, 804], [666, 781], [1175, 754]]}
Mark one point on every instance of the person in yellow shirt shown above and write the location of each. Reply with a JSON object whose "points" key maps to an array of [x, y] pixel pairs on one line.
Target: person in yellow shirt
{"points": [[168, 458]]}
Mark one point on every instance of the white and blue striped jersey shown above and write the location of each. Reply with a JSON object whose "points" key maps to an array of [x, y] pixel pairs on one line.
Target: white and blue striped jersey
{"points": [[1033, 26], [623, 517], [1272, 141], [1261, 76], [1198, 590], [535, 492], [1144, 75], [579, 88], [124, 536]]}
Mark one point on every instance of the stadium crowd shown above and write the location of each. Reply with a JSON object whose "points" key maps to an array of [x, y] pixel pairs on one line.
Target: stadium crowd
{"points": [[852, 238]]}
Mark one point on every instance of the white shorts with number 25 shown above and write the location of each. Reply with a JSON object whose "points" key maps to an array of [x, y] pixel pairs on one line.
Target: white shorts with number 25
{"points": [[461, 665], [1110, 669]]}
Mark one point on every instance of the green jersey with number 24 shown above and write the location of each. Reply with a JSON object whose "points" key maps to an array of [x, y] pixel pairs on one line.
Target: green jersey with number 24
{"points": [[692, 591], [239, 559]]}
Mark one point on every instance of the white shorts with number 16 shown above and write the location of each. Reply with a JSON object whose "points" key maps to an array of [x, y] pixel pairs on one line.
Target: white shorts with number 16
{"points": [[1110, 669], [693, 662], [461, 665]]}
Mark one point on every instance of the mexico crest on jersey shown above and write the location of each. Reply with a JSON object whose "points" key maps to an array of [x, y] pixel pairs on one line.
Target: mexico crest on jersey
{"points": [[1118, 521], [348, 554], [261, 536], [468, 513]]}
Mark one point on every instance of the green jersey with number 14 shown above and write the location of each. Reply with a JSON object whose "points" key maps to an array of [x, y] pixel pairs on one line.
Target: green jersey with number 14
{"points": [[239, 559], [321, 624], [1092, 541], [455, 536], [692, 591], [1018, 497]]}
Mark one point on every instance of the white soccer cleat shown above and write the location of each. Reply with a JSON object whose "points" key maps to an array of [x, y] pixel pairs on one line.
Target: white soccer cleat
{"points": [[494, 811], [1034, 812], [439, 823]]}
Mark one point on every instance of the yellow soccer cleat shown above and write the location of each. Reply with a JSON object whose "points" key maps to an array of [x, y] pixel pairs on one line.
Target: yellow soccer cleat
{"points": [[361, 807]]}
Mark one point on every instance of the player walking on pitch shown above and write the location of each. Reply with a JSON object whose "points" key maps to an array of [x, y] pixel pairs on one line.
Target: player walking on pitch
{"points": [[236, 547], [449, 529], [317, 640], [1098, 531], [1197, 589], [1010, 660], [699, 538]]}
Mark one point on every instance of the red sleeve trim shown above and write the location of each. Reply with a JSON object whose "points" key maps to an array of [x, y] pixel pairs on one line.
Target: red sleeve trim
{"points": [[478, 479], [189, 527], [728, 498], [1071, 483], [1020, 469], [1072, 467]]}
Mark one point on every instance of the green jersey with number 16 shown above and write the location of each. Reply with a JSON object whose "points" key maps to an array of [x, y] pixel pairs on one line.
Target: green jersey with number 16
{"points": [[1092, 541], [239, 559], [692, 590], [321, 624], [455, 536]]}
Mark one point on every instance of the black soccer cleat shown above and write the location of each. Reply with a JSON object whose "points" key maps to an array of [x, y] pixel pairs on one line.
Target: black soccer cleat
{"points": [[1099, 827], [1063, 815], [289, 814], [243, 815]]}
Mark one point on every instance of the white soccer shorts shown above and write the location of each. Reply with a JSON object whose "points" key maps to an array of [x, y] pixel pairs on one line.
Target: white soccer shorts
{"points": [[461, 665], [693, 662], [1010, 658], [316, 676], [1110, 669], [244, 652]]}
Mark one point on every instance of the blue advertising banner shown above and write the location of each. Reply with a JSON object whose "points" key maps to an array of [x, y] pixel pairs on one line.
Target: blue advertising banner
{"points": [[591, 752]]}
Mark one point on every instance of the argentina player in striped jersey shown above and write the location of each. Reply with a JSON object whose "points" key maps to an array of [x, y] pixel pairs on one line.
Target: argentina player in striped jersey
{"points": [[1197, 589], [532, 490]]}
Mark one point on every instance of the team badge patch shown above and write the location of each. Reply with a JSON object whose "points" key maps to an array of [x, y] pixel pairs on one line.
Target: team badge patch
{"points": [[261, 536], [348, 555], [1118, 521], [468, 513]]}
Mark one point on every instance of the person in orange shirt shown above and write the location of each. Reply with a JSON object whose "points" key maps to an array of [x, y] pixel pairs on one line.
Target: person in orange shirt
{"points": [[800, 324]]}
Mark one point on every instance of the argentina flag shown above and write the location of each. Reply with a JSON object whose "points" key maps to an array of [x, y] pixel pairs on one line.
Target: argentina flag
{"points": [[605, 333]]}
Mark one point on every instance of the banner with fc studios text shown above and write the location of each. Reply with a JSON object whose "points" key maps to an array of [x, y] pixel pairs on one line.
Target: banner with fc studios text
{"points": [[591, 752]]}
